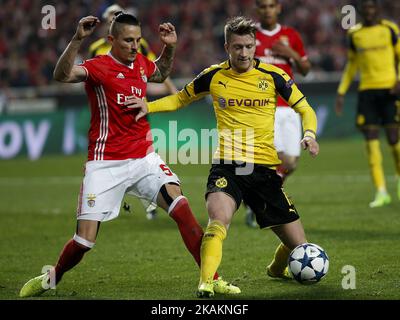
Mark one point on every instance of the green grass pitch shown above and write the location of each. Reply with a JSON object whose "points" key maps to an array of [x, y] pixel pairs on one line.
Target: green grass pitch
{"points": [[139, 259]]}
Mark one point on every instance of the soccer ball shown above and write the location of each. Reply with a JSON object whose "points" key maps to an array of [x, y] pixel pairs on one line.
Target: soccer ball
{"points": [[308, 263]]}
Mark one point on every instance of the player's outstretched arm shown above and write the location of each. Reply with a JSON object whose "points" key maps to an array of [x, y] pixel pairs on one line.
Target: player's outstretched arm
{"points": [[169, 103], [170, 86], [348, 75], [288, 90], [396, 88], [65, 70], [165, 61], [309, 122]]}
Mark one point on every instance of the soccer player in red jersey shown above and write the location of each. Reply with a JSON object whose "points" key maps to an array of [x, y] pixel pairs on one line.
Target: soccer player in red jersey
{"points": [[283, 47], [102, 46], [121, 158]]}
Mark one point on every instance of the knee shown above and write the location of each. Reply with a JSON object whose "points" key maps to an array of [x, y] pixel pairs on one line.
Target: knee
{"points": [[370, 134], [168, 194], [217, 211], [392, 137], [290, 163], [86, 232]]}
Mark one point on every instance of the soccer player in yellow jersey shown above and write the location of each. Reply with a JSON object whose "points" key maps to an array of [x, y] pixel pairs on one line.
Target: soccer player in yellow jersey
{"points": [[374, 51], [244, 93]]}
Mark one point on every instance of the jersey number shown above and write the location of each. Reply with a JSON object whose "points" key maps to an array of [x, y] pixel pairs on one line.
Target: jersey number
{"points": [[166, 170]]}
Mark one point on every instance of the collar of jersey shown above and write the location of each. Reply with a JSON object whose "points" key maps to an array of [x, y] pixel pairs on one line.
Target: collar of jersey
{"points": [[256, 63], [130, 66], [269, 33]]}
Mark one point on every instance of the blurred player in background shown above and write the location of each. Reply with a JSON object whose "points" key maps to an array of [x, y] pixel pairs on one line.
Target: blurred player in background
{"points": [[283, 47], [244, 92], [374, 52], [121, 157], [103, 46]]}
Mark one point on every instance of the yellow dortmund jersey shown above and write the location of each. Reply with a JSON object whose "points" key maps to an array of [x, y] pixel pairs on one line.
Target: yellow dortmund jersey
{"points": [[374, 51], [102, 46], [244, 105]]}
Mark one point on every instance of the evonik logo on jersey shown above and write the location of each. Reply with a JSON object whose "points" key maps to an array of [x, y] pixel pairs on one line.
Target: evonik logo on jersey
{"points": [[223, 103]]}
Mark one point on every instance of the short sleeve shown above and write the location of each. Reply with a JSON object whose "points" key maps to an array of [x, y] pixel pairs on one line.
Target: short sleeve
{"points": [[298, 44], [94, 72], [149, 66]]}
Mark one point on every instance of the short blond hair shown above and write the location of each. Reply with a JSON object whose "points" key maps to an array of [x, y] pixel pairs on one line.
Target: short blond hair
{"points": [[241, 26]]}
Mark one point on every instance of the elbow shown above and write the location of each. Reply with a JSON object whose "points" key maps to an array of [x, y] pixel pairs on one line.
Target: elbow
{"points": [[304, 67], [59, 77], [163, 77], [305, 70]]}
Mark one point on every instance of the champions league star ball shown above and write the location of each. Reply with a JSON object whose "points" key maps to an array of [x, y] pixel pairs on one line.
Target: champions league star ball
{"points": [[308, 263]]}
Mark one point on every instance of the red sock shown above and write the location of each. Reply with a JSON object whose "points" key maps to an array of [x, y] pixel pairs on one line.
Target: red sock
{"points": [[71, 255], [189, 228]]}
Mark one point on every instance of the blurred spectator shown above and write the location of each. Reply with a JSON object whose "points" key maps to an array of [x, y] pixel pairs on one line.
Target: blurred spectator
{"points": [[28, 52]]}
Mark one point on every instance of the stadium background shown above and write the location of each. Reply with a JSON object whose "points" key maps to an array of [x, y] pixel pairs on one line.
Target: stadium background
{"points": [[47, 122]]}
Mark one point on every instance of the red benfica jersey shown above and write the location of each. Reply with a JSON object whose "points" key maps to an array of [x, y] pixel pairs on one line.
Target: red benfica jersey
{"points": [[114, 134], [264, 41]]}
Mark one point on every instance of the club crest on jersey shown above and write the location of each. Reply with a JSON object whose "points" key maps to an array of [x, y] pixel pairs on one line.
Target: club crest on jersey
{"points": [[143, 74], [222, 103], [91, 200], [262, 84], [221, 183], [284, 40]]}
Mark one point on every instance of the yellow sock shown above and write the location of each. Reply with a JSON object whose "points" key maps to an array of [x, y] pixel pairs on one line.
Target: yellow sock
{"points": [[211, 250], [396, 156], [280, 259], [375, 164]]}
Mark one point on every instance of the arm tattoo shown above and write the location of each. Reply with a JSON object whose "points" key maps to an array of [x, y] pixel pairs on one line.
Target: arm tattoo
{"points": [[164, 65], [156, 76], [65, 63]]}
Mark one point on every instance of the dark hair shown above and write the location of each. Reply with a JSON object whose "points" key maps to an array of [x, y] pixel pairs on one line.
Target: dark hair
{"points": [[120, 19], [240, 26]]}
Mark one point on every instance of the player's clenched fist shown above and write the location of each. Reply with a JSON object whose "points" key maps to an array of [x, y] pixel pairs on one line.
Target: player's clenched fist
{"points": [[168, 33], [86, 27]]}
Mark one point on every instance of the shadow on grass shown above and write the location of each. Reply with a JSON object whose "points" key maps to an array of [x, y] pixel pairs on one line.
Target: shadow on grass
{"points": [[353, 234], [295, 292]]}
